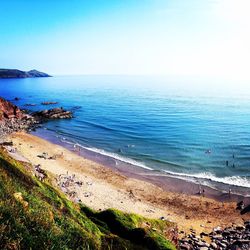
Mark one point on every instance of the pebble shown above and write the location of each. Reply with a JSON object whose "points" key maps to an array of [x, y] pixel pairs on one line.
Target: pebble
{"points": [[185, 247], [235, 237], [213, 245], [204, 248]]}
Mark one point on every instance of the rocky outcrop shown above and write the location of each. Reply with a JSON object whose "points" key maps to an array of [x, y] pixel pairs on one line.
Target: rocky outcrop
{"points": [[56, 113], [15, 73], [9, 110], [13, 119], [49, 103]]}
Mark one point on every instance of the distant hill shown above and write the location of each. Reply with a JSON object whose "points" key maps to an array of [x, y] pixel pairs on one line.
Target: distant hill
{"points": [[15, 73]]}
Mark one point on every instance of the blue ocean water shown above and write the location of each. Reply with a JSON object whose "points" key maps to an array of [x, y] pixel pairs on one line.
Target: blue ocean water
{"points": [[181, 126]]}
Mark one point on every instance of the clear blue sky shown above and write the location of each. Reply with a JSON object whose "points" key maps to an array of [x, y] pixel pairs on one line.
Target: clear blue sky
{"points": [[162, 37]]}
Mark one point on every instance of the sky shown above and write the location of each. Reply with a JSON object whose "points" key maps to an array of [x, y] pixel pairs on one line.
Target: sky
{"points": [[205, 38]]}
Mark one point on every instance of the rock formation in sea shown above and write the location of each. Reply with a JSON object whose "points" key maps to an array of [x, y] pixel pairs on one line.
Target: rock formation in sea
{"points": [[13, 118], [15, 73], [56, 113]]}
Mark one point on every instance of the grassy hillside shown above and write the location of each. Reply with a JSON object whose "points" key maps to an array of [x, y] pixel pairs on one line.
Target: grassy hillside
{"points": [[35, 215]]}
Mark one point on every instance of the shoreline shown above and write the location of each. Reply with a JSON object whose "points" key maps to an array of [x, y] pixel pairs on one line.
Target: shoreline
{"points": [[125, 192], [166, 181]]}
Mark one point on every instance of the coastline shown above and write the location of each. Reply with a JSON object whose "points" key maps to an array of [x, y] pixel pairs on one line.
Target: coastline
{"points": [[138, 193], [167, 181]]}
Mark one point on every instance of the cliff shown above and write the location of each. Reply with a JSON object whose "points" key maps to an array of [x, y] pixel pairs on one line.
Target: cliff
{"points": [[9, 110], [36, 215], [15, 73]]}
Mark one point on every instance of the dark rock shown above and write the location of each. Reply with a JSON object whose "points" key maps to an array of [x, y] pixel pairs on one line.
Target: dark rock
{"points": [[218, 230], [49, 103], [185, 247], [6, 143], [240, 227], [203, 234], [56, 113], [213, 245], [225, 233], [223, 245], [231, 238], [232, 231], [29, 104], [200, 244], [224, 242], [217, 237], [240, 205], [240, 244], [245, 210]]}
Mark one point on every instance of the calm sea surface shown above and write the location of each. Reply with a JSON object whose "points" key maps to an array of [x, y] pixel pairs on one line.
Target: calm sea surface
{"points": [[189, 128]]}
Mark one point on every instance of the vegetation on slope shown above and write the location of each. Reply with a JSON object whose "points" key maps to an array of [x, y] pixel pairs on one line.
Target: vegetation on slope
{"points": [[35, 215]]}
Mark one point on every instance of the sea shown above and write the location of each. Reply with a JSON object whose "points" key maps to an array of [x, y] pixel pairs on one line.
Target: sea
{"points": [[189, 128]]}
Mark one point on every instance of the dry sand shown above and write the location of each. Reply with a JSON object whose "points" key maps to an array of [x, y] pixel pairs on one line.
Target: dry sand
{"points": [[103, 188]]}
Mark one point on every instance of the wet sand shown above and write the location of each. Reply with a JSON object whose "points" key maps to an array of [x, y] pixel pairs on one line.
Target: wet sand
{"points": [[103, 186]]}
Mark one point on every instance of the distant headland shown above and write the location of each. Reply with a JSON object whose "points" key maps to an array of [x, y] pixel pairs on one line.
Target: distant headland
{"points": [[15, 73]]}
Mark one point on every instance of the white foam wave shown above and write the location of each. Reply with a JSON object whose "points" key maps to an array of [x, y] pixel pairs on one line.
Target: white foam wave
{"points": [[205, 177], [229, 180], [118, 157], [112, 155]]}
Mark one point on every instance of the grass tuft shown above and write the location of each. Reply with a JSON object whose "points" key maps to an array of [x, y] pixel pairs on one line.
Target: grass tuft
{"points": [[35, 215]]}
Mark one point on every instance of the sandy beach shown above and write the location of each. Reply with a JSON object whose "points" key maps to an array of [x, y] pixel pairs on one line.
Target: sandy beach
{"points": [[100, 188]]}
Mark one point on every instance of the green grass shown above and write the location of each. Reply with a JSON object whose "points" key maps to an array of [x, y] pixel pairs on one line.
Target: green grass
{"points": [[41, 217]]}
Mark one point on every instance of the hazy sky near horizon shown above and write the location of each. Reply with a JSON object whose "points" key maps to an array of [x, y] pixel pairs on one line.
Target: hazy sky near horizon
{"points": [[161, 37]]}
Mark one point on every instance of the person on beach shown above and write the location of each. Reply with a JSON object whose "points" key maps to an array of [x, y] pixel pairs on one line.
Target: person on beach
{"points": [[199, 190], [77, 148], [203, 192]]}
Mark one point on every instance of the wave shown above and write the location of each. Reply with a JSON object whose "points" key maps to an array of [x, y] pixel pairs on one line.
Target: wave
{"points": [[205, 178], [229, 180], [118, 157], [111, 155], [100, 126]]}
